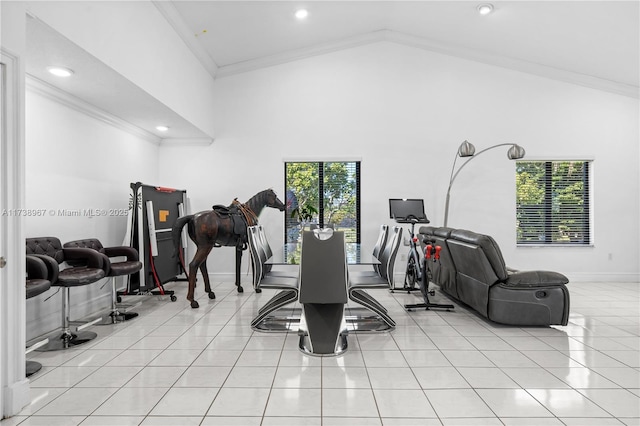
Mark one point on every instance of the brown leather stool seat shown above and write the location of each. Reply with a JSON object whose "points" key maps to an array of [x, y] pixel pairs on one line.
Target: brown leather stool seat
{"points": [[124, 268], [74, 277]]}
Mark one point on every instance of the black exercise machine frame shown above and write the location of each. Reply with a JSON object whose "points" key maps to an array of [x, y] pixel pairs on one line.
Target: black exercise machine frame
{"points": [[424, 282], [410, 211]]}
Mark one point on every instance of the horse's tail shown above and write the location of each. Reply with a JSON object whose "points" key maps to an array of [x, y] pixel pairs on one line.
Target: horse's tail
{"points": [[176, 232]]}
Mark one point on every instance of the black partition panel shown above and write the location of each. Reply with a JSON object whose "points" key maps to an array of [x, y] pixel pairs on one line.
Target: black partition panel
{"points": [[152, 212]]}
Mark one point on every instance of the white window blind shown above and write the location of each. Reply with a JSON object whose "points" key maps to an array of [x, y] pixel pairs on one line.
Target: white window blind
{"points": [[552, 203], [332, 189]]}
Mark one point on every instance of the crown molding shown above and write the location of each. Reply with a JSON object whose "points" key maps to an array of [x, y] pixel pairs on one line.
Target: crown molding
{"points": [[513, 64], [48, 91], [171, 14], [437, 47], [174, 18], [296, 54]]}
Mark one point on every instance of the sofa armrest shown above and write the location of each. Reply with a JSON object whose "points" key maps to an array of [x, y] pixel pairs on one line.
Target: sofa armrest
{"points": [[535, 279], [129, 252]]}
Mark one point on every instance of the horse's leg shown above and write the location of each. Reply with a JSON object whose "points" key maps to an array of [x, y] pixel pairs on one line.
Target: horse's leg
{"points": [[200, 257], [205, 277], [192, 235], [238, 264]]}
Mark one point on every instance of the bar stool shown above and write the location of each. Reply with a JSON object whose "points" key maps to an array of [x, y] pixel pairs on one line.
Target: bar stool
{"points": [[113, 270], [86, 268]]}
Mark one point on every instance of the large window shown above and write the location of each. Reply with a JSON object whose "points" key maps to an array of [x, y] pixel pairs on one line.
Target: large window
{"points": [[552, 204], [329, 192]]}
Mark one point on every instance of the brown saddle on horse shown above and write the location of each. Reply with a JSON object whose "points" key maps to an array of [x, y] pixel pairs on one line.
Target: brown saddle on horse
{"points": [[238, 219], [240, 215]]}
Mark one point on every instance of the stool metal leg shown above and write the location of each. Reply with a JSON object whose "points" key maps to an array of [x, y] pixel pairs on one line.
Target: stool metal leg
{"points": [[115, 316], [67, 339]]}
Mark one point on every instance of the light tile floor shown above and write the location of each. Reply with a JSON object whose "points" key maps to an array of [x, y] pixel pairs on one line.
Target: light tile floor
{"points": [[174, 365]]}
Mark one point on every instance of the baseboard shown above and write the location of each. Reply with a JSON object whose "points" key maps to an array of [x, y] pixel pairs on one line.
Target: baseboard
{"points": [[603, 277], [623, 277], [16, 398], [228, 277], [583, 277]]}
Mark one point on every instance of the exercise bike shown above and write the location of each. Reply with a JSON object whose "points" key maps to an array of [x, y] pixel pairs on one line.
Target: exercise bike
{"points": [[410, 211], [432, 251], [413, 272]]}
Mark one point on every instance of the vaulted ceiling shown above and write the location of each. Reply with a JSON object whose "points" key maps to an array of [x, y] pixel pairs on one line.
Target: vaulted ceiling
{"points": [[592, 43], [598, 39]]}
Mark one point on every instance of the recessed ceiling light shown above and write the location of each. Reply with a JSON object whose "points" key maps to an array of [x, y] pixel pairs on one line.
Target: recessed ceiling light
{"points": [[485, 9], [302, 13], [60, 71], [162, 128]]}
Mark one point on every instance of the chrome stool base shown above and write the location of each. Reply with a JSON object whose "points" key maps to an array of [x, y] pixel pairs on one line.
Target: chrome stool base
{"points": [[32, 368], [117, 317], [68, 340]]}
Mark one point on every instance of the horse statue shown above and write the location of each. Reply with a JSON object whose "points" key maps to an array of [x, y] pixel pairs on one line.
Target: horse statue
{"points": [[221, 226]]}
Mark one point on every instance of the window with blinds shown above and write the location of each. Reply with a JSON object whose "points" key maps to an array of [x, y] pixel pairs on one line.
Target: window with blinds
{"points": [[329, 192], [552, 203]]}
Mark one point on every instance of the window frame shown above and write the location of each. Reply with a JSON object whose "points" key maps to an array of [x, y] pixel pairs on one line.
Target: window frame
{"points": [[589, 204], [321, 163]]}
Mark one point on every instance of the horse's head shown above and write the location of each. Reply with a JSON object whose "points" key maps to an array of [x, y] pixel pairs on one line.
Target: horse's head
{"points": [[272, 200]]}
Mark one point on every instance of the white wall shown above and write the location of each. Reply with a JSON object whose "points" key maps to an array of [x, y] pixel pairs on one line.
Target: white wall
{"points": [[76, 162], [403, 112], [135, 39], [218, 173]]}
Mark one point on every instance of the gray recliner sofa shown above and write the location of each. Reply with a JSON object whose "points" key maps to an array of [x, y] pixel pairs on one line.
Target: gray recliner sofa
{"points": [[471, 269]]}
